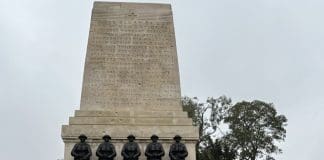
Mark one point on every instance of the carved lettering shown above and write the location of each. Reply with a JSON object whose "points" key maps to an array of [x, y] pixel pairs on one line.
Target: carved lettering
{"points": [[131, 61]]}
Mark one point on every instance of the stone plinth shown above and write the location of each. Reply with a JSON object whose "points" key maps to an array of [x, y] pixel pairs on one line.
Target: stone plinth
{"points": [[131, 80]]}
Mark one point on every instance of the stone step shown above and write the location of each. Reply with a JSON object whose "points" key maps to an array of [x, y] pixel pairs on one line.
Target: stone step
{"points": [[142, 107], [138, 113], [122, 131], [130, 120]]}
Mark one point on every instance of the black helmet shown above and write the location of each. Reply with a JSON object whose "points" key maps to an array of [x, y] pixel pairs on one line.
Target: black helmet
{"points": [[177, 137], [83, 136], [154, 136], [131, 136], [106, 136]]}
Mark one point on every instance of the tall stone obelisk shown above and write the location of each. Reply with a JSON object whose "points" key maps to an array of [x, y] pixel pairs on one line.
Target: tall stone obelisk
{"points": [[131, 80]]}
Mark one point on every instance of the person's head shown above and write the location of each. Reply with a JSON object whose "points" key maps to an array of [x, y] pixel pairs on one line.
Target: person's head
{"points": [[177, 138], [154, 138], [83, 137], [131, 138], [106, 138]]}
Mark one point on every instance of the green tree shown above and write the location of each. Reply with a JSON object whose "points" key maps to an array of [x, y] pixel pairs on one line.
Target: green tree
{"points": [[217, 150], [254, 129], [213, 150], [207, 116]]}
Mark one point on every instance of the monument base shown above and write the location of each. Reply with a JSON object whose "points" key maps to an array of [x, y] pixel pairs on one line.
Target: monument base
{"points": [[120, 123]]}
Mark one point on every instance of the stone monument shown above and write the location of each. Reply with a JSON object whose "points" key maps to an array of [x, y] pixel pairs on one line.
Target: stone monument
{"points": [[131, 81]]}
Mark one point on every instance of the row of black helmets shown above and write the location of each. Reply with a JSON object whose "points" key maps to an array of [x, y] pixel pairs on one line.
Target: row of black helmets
{"points": [[130, 151]]}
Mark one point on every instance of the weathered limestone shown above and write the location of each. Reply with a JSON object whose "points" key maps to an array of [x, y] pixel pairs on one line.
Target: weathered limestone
{"points": [[131, 80]]}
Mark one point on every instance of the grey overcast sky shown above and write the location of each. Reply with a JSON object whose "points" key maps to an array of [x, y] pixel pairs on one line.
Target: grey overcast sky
{"points": [[272, 50]]}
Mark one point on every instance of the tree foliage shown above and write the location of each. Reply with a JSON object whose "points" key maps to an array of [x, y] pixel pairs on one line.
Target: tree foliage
{"points": [[254, 128], [217, 150], [207, 116]]}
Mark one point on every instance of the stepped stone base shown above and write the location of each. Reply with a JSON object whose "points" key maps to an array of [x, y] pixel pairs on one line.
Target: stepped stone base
{"points": [[119, 124]]}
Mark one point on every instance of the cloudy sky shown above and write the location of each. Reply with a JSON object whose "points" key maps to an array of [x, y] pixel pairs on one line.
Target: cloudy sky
{"points": [[271, 50]]}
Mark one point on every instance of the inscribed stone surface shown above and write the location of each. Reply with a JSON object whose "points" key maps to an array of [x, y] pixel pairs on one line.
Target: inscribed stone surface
{"points": [[131, 58]]}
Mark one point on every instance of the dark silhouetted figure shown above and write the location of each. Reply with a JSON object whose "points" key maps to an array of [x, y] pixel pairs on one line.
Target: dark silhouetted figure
{"points": [[131, 150], [178, 151], [106, 150], [154, 150], [82, 150]]}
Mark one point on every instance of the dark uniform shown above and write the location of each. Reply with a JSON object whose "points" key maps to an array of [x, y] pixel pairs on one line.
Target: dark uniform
{"points": [[131, 150], [154, 150], [178, 151], [82, 150], [106, 150]]}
